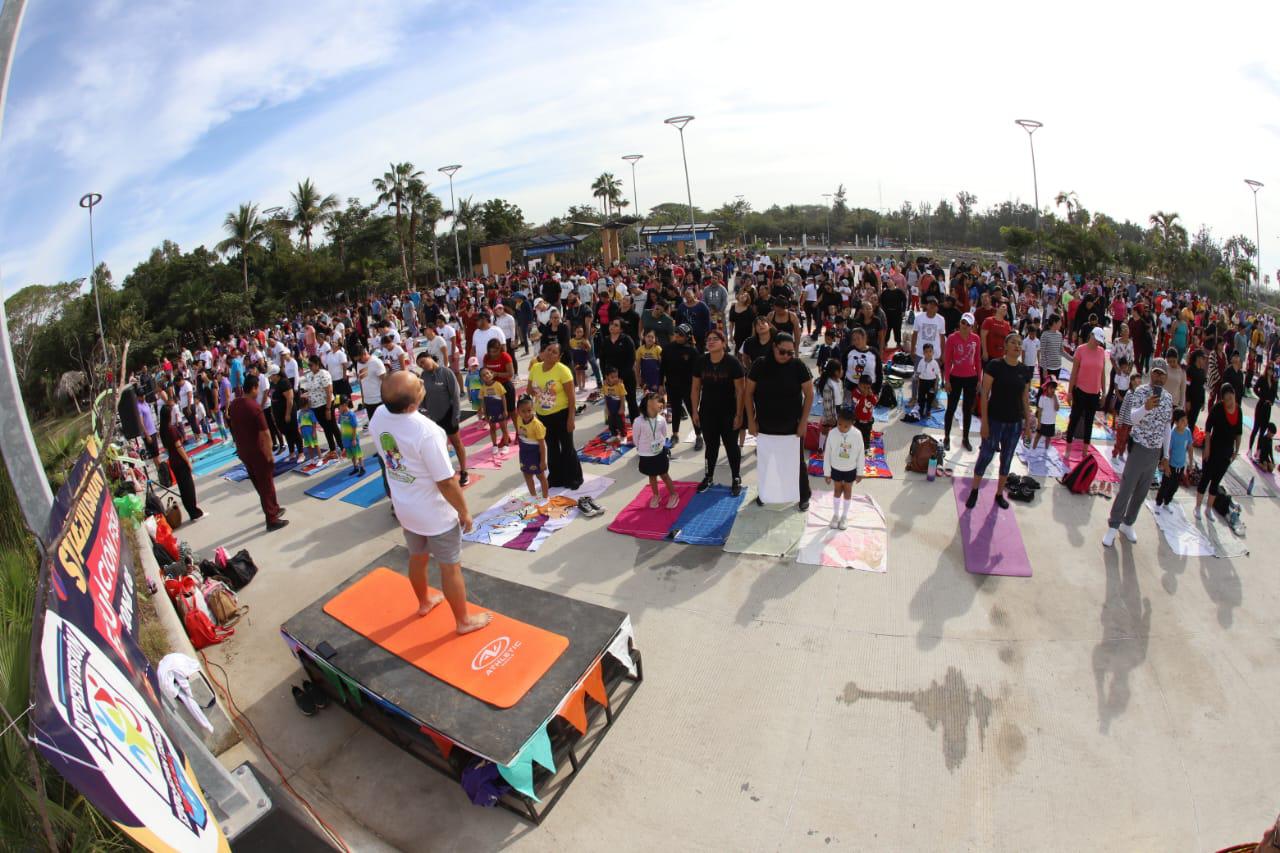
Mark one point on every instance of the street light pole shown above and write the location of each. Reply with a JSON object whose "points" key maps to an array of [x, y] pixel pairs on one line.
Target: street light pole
{"points": [[679, 122], [1031, 126], [828, 196], [635, 195], [457, 253], [89, 201], [1257, 230], [739, 199]]}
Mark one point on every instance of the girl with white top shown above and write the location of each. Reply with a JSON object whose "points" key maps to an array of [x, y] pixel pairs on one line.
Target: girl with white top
{"points": [[650, 433], [842, 463]]}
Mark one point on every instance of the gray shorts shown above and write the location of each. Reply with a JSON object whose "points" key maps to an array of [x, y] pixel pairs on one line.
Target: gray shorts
{"points": [[445, 547]]}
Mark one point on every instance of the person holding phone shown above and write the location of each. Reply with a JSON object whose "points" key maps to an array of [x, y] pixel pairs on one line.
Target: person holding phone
{"points": [[1149, 414]]}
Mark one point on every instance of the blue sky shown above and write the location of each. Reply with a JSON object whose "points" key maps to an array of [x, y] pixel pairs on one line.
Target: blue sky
{"points": [[178, 111]]}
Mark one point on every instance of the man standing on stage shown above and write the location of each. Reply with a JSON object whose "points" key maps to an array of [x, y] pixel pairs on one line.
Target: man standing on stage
{"points": [[253, 445], [427, 498]]}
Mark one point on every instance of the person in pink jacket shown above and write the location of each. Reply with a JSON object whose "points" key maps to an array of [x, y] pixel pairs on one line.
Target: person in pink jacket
{"points": [[961, 371]]}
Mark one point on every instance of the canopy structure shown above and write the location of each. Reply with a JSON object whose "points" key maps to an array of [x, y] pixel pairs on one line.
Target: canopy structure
{"points": [[703, 231], [550, 244]]}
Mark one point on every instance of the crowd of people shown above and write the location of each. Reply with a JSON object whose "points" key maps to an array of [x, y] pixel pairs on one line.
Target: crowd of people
{"points": [[718, 340]]}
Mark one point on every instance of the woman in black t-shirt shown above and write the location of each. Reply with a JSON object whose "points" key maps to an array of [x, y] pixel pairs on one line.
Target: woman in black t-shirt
{"points": [[758, 345], [1006, 415], [1195, 385], [742, 317], [718, 395], [1222, 431]]}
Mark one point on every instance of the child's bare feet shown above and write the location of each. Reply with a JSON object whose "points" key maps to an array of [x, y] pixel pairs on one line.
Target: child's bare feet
{"points": [[432, 600], [474, 622]]}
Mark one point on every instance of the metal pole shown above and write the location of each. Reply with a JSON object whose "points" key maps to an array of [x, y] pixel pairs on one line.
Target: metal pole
{"points": [[1031, 126], [457, 253], [1257, 229], [635, 196], [828, 196], [679, 122], [89, 201]]}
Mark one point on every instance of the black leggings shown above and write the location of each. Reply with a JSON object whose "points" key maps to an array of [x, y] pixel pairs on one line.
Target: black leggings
{"points": [[716, 429], [1215, 468], [288, 426], [680, 401], [186, 484], [332, 434], [563, 467], [277, 438], [961, 385], [1195, 402], [894, 330], [1261, 417], [1083, 407]]}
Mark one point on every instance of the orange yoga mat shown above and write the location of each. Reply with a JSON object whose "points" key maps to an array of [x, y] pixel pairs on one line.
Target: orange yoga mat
{"points": [[497, 664]]}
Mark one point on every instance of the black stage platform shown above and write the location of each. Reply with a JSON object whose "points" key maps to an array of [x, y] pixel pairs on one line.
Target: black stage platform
{"points": [[475, 728]]}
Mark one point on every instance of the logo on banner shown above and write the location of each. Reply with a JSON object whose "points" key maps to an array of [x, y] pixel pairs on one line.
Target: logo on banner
{"points": [[494, 655]]}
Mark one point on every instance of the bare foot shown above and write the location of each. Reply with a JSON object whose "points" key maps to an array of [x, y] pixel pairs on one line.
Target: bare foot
{"points": [[432, 601], [474, 622]]}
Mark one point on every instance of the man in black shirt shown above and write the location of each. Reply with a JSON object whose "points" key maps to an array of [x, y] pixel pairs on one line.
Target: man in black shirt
{"points": [[779, 395], [678, 359], [894, 302], [951, 314]]}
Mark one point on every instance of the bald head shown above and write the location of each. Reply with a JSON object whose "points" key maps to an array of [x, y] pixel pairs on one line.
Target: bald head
{"points": [[401, 391]]}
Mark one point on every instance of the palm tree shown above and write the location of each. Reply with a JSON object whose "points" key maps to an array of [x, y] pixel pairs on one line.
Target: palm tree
{"points": [[431, 211], [468, 218], [1071, 201], [392, 187], [1169, 237], [608, 189], [415, 193], [310, 210], [245, 230]]}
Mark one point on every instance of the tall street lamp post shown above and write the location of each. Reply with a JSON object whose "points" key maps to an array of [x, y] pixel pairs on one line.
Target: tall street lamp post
{"points": [[828, 197], [635, 194], [1031, 126], [89, 201], [679, 122], [457, 253], [1257, 231]]}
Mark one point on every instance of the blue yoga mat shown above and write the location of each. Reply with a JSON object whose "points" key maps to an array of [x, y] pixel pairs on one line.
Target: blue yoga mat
{"points": [[708, 518], [284, 462], [367, 495], [336, 483], [213, 459]]}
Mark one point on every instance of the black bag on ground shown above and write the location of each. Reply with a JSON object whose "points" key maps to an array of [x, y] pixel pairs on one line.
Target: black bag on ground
{"points": [[239, 570], [152, 505], [163, 557], [888, 398], [1222, 504]]}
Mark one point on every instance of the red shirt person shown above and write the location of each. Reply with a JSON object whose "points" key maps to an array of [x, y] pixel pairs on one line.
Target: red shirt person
{"points": [[249, 429]]}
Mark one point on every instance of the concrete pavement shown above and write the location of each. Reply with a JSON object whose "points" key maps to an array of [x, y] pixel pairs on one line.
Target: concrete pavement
{"points": [[1121, 699]]}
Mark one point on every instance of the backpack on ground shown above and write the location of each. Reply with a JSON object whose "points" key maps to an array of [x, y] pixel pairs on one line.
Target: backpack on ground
{"points": [[923, 448], [812, 437], [239, 570], [224, 607], [1080, 478], [1222, 504], [888, 398], [202, 630]]}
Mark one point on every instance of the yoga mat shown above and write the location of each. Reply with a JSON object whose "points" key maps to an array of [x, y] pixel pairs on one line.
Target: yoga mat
{"points": [[992, 542], [639, 520], [213, 459], [1241, 471], [599, 451], [194, 450], [778, 468], [496, 664], [1271, 477], [773, 530], [322, 464], [708, 518], [490, 457], [284, 462], [338, 483], [522, 522], [1106, 474], [1188, 537], [368, 494], [863, 545], [473, 432], [876, 466]]}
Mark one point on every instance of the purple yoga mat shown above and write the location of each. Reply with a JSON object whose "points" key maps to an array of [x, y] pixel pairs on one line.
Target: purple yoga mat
{"points": [[992, 542]]}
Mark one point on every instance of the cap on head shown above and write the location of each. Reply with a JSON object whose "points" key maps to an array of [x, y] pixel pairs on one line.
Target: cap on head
{"points": [[967, 317], [1099, 335], [1161, 365], [684, 329]]}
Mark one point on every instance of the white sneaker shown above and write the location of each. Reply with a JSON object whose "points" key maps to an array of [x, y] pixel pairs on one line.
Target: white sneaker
{"points": [[1109, 538], [835, 523], [1197, 512], [1129, 532], [844, 525]]}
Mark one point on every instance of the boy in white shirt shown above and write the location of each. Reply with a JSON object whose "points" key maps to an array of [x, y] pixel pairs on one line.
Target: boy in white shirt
{"points": [[1031, 346], [928, 372]]}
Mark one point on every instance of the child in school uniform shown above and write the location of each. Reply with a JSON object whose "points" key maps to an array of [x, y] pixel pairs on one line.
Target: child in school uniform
{"points": [[1031, 346], [580, 352], [615, 394], [1046, 414], [1179, 456], [532, 435], [349, 427], [650, 433], [831, 387], [928, 372], [494, 395], [649, 363], [863, 401], [307, 430], [842, 464]]}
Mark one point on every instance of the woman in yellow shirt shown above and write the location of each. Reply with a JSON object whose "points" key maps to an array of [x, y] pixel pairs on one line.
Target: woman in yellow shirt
{"points": [[551, 387]]}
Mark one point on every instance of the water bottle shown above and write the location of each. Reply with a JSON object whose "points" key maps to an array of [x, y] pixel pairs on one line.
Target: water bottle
{"points": [[933, 468], [1249, 490]]}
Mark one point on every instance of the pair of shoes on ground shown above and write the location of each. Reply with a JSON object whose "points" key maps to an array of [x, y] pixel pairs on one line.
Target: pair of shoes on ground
{"points": [[589, 508], [803, 506], [838, 522], [1109, 538], [1022, 489], [309, 698], [736, 489], [972, 501], [673, 501]]}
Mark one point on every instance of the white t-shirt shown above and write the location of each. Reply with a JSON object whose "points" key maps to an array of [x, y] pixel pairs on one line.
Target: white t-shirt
{"points": [[1048, 410], [810, 292], [415, 452], [507, 325], [392, 359], [185, 392], [371, 373], [336, 363], [290, 370], [480, 340], [929, 330], [844, 451], [928, 369], [1031, 351]]}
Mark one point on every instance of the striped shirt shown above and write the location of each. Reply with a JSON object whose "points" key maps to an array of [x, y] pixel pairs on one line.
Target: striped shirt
{"points": [[1051, 350]]}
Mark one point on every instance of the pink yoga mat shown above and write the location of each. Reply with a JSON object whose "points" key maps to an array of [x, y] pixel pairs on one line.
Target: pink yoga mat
{"points": [[992, 543], [490, 457], [473, 432], [638, 520], [1106, 473]]}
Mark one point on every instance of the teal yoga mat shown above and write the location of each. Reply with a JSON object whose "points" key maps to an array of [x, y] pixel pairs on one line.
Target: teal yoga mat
{"points": [[213, 459], [367, 495], [337, 483]]}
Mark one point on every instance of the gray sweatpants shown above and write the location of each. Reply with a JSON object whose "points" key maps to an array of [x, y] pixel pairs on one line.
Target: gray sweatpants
{"points": [[1139, 468]]}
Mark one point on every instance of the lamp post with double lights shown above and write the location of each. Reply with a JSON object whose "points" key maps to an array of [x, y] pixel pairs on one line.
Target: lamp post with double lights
{"points": [[635, 194], [457, 253], [1031, 126], [679, 122], [1257, 230]]}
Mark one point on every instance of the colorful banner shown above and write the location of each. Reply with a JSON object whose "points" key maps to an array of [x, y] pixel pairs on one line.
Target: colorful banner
{"points": [[97, 716]]}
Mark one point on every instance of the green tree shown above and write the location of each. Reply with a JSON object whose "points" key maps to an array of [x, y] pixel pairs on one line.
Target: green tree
{"points": [[1017, 240], [501, 220], [469, 219], [1134, 257], [392, 189], [245, 231], [966, 200], [28, 311], [608, 189], [310, 209]]}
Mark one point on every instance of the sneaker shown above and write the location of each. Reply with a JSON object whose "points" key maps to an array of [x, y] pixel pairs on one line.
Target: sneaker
{"points": [[1109, 538], [304, 701], [1001, 501], [1197, 511], [316, 694], [707, 482], [697, 442], [835, 523], [463, 477], [736, 488], [277, 524], [1129, 532], [804, 505], [972, 500], [843, 523]]}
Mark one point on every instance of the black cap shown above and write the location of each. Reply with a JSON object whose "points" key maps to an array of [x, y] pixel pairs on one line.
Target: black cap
{"points": [[684, 329]]}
